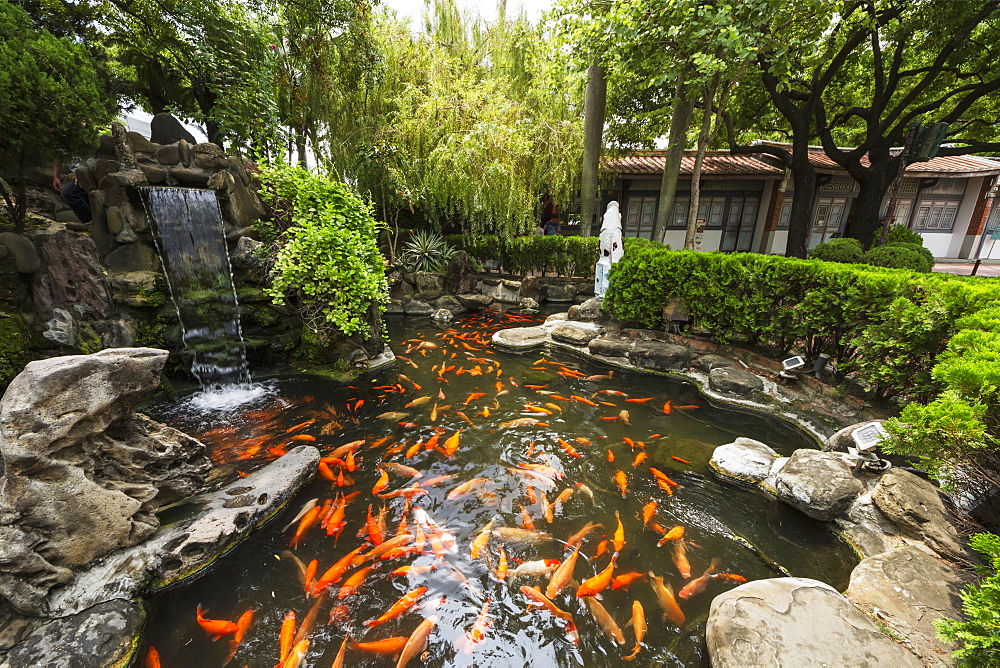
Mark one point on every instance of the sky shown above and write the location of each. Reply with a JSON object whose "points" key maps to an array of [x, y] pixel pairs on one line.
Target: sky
{"points": [[486, 10]]}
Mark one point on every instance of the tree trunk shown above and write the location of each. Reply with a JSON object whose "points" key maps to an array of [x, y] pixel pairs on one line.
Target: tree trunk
{"points": [[672, 166], [593, 128], [699, 158], [300, 147], [872, 186]]}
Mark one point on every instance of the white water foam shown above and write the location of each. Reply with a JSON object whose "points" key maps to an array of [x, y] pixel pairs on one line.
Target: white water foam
{"points": [[228, 397]]}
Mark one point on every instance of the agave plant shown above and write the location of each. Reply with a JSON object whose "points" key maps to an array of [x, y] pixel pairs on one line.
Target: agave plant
{"points": [[426, 251]]}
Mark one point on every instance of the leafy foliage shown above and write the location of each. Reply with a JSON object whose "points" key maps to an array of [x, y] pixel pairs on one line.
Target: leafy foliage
{"points": [[979, 635], [52, 99], [427, 251], [327, 263], [904, 234], [554, 254], [898, 256], [838, 250]]}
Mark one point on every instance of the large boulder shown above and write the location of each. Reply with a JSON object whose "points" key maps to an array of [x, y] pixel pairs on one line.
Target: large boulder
{"points": [[844, 438], [744, 460], [417, 307], [71, 275], [473, 301], [429, 285], [521, 337], [916, 507], [25, 256], [449, 303], [793, 622], [588, 311], [165, 129], [820, 484], [83, 474], [532, 288], [132, 257], [560, 292], [660, 356], [573, 335], [907, 589], [610, 347], [711, 361], [734, 380], [460, 276]]}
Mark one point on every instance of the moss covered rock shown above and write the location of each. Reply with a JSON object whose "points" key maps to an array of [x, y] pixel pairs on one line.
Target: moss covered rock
{"points": [[15, 346]]}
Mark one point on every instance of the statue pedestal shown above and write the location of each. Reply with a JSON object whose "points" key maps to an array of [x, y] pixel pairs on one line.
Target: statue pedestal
{"points": [[601, 277]]}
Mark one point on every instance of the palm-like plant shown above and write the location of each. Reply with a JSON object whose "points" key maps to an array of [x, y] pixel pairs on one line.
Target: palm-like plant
{"points": [[427, 251]]}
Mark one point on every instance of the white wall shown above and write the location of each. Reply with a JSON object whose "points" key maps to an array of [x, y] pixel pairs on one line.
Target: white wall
{"points": [[779, 240], [964, 217], [762, 210], [675, 239]]}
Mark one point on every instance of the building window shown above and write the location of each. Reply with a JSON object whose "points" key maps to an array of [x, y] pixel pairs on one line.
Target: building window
{"points": [[786, 213], [947, 187], [738, 234], [936, 215], [827, 221], [640, 217]]}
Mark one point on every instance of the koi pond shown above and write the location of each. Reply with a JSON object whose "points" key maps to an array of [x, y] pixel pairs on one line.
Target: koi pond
{"points": [[476, 494]]}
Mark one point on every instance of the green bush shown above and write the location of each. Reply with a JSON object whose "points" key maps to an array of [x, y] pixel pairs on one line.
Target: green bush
{"points": [[427, 251], [327, 263], [896, 257], [904, 234], [978, 636], [917, 248], [848, 251], [932, 338], [552, 254]]}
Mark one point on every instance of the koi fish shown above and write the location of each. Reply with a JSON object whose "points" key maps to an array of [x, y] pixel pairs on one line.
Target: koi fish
{"points": [[406, 493], [522, 422], [618, 541], [338, 662], [665, 597], [638, 624], [687, 408], [419, 401], [599, 582], [386, 646], [661, 476], [538, 598], [437, 480], [335, 572], [578, 537], [478, 630], [554, 407], [392, 415], [567, 448], [682, 461], [153, 658], [602, 547], [301, 425], [681, 560], [297, 655], [536, 387], [413, 569], [640, 401], [309, 576], [614, 393], [611, 456], [400, 469], [604, 620], [600, 377], [522, 536], [586, 490], [563, 497], [674, 534], [473, 396], [624, 415], [342, 451], [480, 541], [501, 571], [302, 437], [451, 444], [639, 459], [582, 400], [404, 603], [536, 568], [377, 552], [625, 579], [307, 521], [417, 642], [537, 409], [562, 574], [467, 487], [698, 585], [648, 511], [666, 411], [382, 483], [285, 636], [622, 482], [729, 577], [306, 507]]}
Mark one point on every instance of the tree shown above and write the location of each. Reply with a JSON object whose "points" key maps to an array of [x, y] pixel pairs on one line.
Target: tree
{"points": [[52, 100], [593, 128]]}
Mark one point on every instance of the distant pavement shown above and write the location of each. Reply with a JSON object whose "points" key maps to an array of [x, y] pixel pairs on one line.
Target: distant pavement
{"points": [[964, 267]]}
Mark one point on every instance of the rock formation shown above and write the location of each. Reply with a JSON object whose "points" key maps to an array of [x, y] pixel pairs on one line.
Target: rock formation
{"points": [[83, 474]]}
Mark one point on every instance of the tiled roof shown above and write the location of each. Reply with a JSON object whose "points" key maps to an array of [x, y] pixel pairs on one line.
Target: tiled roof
{"points": [[952, 164], [652, 162]]}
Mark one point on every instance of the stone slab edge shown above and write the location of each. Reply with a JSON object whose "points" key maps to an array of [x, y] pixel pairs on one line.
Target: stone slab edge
{"points": [[818, 431]]}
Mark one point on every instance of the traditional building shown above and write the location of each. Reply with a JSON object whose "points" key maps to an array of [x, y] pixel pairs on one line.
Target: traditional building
{"points": [[746, 201]]}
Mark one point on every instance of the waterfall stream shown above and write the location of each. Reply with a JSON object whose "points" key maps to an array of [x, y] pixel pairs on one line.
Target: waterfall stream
{"points": [[192, 246]]}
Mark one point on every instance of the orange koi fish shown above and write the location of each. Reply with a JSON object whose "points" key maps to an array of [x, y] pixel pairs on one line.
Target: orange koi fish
{"points": [[467, 487], [538, 598], [661, 476], [567, 448], [681, 560], [335, 572], [307, 521], [604, 620], [537, 409], [501, 571], [536, 387], [375, 553], [622, 483], [648, 511], [433, 440], [303, 437], [665, 597], [310, 575], [611, 456], [638, 624], [473, 396], [682, 461], [676, 533], [698, 585], [153, 658], [578, 537], [386, 646], [610, 418], [729, 577], [375, 533], [352, 583], [301, 425], [602, 547], [451, 445], [381, 484], [480, 542], [629, 442], [618, 541], [639, 458], [406, 493], [478, 630], [417, 642], [405, 602], [522, 422], [563, 497], [640, 401], [688, 408], [582, 400], [297, 655], [625, 579], [349, 463], [562, 574], [599, 582], [413, 569], [338, 662], [285, 636], [615, 393], [666, 408], [418, 401]]}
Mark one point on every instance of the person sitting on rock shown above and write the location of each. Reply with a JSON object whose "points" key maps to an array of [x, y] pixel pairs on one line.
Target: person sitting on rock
{"points": [[74, 196]]}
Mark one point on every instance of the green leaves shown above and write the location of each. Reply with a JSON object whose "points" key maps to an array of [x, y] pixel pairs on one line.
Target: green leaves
{"points": [[978, 634], [327, 264]]}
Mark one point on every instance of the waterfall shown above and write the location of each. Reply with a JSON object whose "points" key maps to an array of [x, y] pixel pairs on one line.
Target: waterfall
{"points": [[187, 229]]}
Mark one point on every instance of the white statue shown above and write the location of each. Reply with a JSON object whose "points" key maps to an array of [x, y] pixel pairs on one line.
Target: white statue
{"points": [[611, 248]]}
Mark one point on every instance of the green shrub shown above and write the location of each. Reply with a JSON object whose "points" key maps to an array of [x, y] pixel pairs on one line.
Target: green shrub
{"points": [[327, 264], [553, 254], [838, 250], [896, 257], [978, 636], [917, 248], [427, 251], [901, 233]]}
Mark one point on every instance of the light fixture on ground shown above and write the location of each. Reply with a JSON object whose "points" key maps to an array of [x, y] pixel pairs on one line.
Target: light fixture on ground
{"points": [[867, 438], [789, 367]]}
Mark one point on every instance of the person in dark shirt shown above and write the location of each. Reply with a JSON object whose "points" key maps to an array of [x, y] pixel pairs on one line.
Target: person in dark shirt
{"points": [[74, 196], [553, 226]]}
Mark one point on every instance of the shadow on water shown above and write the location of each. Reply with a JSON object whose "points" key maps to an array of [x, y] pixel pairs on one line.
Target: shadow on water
{"points": [[753, 536]]}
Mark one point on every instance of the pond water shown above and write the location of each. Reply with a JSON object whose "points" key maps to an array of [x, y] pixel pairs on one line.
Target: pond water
{"points": [[396, 412]]}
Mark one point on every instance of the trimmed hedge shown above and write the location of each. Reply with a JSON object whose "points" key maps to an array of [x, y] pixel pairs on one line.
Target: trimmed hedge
{"points": [[932, 338], [554, 254], [900, 255], [847, 250]]}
